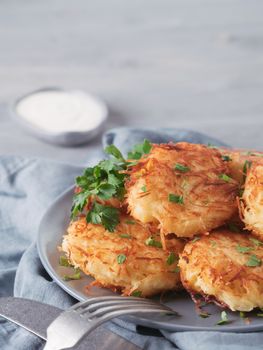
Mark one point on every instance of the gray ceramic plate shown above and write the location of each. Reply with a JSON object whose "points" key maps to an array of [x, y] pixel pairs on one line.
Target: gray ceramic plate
{"points": [[51, 230]]}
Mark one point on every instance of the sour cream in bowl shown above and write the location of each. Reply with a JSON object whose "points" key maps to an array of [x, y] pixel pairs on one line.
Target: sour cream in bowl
{"points": [[63, 117]]}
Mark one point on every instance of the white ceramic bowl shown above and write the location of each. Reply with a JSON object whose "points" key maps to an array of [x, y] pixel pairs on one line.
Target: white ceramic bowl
{"points": [[65, 138]]}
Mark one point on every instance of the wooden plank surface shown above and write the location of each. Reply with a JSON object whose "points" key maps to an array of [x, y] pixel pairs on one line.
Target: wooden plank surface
{"points": [[196, 64]]}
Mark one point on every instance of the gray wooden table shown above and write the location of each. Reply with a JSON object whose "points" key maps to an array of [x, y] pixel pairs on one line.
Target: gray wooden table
{"points": [[195, 64]]}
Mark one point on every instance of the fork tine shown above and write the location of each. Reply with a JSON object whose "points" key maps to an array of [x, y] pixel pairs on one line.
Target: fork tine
{"points": [[110, 315], [109, 298], [97, 305], [128, 308]]}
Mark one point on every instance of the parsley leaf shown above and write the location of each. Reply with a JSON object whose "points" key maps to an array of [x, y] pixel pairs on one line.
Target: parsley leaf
{"points": [[224, 319], [210, 145], [226, 158], [130, 222], [246, 166], [125, 235], [256, 242], [224, 177], [176, 270], [113, 150], [213, 244], [153, 243], [136, 293], [144, 189], [63, 261], [106, 191], [140, 150], [243, 250], [181, 167], [79, 202], [175, 198], [253, 261], [204, 314], [104, 215], [121, 258], [75, 276], [171, 258]]}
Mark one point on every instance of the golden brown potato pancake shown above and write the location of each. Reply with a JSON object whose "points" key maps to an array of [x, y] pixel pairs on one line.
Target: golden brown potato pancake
{"points": [[239, 162], [124, 260], [226, 267], [182, 188], [251, 204]]}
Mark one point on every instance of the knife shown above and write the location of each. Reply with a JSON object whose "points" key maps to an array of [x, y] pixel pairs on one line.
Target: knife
{"points": [[35, 317]]}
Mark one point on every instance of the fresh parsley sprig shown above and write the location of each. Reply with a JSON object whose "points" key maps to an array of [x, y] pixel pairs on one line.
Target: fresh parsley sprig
{"points": [[104, 181], [140, 150]]}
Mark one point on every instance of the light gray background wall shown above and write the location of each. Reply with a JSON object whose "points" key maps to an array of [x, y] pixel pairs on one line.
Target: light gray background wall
{"points": [[196, 64]]}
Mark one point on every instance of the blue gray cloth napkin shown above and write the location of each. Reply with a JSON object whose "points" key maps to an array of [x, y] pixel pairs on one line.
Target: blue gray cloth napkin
{"points": [[27, 188]]}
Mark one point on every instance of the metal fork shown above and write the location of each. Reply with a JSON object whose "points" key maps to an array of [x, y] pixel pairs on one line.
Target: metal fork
{"points": [[72, 325]]}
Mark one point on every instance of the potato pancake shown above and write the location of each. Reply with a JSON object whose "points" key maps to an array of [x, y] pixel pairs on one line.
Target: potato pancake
{"points": [[226, 268], [251, 204], [182, 188], [130, 259], [239, 162]]}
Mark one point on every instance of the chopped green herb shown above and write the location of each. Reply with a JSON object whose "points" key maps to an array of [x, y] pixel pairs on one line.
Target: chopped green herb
{"points": [[175, 198], [242, 314], [224, 319], [125, 235], [210, 145], [105, 180], [181, 167], [153, 243], [113, 150], [204, 314], [171, 258], [75, 276], [130, 222], [257, 154], [144, 189], [226, 158], [104, 215], [63, 261], [121, 258], [176, 270], [260, 315], [253, 261], [241, 192], [246, 166], [136, 293], [243, 250], [213, 244], [140, 150], [195, 239], [233, 227], [256, 242], [224, 177]]}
